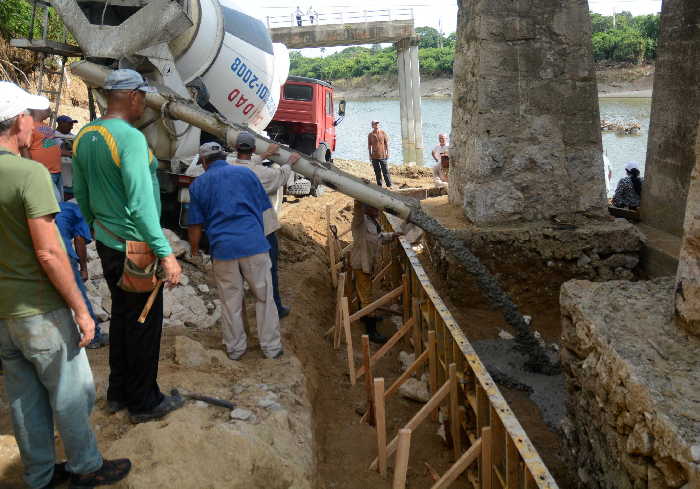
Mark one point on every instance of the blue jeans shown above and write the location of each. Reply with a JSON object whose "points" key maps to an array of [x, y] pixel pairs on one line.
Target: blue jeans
{"points": [[83, 290], [274, 255], [57, 179], [47, 377]]}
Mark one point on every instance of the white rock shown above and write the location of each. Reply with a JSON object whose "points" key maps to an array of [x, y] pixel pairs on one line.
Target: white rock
{"points": [[528, 319], [184, 279], [203, 288], [201, 404], [415, 389], [241, 414], [505, 335], [95, 269], [406, 359], [211, 306], [179, 246]]}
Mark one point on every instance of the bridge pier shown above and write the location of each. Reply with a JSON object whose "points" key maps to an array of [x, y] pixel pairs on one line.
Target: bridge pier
{"points": [[410, 101]]}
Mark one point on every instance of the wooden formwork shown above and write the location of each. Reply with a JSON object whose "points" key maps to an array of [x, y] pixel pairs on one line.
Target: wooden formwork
{"points": [[487, 441]]}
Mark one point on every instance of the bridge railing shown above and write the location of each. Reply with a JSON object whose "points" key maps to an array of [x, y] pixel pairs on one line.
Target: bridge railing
{"points": [[341, 17]]}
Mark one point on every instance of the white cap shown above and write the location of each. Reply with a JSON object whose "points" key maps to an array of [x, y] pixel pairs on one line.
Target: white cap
{"points": [[632, 165], [14, 101], [210, 148]]}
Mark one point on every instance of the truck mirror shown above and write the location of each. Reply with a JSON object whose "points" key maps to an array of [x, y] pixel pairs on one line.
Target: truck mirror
{"points": [[341, 108]]}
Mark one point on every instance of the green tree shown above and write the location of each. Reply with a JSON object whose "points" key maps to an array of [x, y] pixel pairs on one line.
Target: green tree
{"points": [[428, 37], [600, 23]]}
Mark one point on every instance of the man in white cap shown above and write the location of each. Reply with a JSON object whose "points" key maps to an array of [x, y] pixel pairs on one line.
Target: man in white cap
{"points": [[229, 202], [47, 374], [273, 180], [114, 181], [378, 146]]}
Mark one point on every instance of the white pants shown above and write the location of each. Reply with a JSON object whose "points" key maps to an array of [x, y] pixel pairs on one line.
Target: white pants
{"points": [[229, 275]]}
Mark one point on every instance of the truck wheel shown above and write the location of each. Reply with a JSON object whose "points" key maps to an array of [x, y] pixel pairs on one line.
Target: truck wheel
{"points": [[317, 191]]}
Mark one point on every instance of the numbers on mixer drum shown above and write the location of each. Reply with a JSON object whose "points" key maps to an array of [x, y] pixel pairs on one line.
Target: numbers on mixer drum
{"points": [[240, 69], [240, 102]]}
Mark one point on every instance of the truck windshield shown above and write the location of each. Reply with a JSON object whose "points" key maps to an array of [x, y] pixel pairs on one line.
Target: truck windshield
{"points": [[298, 92]]}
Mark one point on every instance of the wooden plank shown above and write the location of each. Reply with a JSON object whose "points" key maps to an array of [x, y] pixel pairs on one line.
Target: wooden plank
{"points": [[512, 464], [418, 418], [330, 245], [380, 416], [381, 273], [408, 373], [405, 287], [432, 366], [417, 333], [368, 378], [378, 303], [459, 466], [486, 460], [348, 340], [340, 293], [500, 479], [454, 414], [387, 346], [402, 453], [482, 408], [528, 480]]}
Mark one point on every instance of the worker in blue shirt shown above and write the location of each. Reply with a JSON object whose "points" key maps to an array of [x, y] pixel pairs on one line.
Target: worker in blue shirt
{"points": [[228, 202], [76, 235]]}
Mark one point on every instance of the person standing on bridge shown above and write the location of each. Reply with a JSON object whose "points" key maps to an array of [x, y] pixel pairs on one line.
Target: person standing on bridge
{"points": [[311, 13], [378, 146], [298, 15]]}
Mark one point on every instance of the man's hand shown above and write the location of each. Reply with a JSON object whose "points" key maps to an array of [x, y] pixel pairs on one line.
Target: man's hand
{"points": [[87, 329], [293, 158], [172, 270], [84, 274]]}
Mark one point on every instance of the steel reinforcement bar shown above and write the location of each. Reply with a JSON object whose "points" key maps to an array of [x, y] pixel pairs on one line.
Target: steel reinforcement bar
{"points": [[509, 460]]}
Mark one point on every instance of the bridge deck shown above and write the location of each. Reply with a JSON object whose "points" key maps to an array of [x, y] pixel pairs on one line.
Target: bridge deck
{"points": [[329, 35]]}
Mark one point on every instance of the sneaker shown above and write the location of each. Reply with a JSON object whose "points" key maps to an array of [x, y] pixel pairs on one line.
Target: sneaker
{"points": [[60, 475], [283, 312], [276, 355], [114, 407], [166, 406], [235, 356], [111, 472]]}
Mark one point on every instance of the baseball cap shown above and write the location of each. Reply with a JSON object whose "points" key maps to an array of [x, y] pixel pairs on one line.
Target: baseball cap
{"points": [[245, 140], [210, 148], [127, 80], [375, 122], [65, 118], [14, 101], [632, 165]]}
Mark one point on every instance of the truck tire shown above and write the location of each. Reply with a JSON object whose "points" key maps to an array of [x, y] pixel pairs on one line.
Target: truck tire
{"points": [[299, 188], [317, 191]]}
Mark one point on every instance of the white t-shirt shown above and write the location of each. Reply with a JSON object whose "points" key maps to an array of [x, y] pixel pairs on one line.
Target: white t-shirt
{"points": [[441, 149]]}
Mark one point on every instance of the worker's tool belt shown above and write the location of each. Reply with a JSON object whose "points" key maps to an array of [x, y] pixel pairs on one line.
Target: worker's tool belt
{"points": [[140, 265]]}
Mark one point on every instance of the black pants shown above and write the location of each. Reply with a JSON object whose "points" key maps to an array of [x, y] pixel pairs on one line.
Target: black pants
{"points": [[298, 21], [380, 167], [274, 257], [134, 348]]}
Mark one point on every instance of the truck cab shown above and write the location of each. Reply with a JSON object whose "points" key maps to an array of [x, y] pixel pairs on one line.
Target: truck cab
{"points": [[305, 118]]}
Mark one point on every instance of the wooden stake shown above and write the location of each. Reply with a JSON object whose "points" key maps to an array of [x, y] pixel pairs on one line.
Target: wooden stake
{"points": [[417, 333], [486, 470], [368, 378], [433, 473], [330, 244], [454, 413], [459, 466], [340, 293], [405, 283], [402, 453], [348, 340], [376, 304], [386, 347], [379, 276], [149, 302], [432, 365], [408, 373], [380, 417], [512, 462], [418, 418]]}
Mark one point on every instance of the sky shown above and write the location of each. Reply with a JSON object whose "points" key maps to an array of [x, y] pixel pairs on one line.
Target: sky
{"points": [[440, 14]]}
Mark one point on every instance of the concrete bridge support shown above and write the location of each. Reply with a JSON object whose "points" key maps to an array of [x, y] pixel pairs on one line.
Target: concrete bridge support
{"points": [[410, 101], [526, 141]]}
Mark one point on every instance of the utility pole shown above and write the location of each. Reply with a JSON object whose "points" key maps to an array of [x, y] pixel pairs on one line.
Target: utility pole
{"points": [[614, 22]]}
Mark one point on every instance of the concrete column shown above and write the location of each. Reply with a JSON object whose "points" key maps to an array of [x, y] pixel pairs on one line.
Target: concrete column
{"points": [[688, 277], [675, 112], [526, 141], [402, 101], [410, 112], [415, 81]]}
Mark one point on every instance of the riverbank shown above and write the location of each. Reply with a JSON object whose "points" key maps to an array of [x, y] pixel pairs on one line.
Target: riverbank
{"points": [[614, 80]]}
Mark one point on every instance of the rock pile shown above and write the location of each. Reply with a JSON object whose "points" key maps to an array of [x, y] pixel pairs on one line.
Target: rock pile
{"points": [[633, 383]]}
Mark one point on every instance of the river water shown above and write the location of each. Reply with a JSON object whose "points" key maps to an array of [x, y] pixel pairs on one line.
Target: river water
{"points": [[437, 116]]}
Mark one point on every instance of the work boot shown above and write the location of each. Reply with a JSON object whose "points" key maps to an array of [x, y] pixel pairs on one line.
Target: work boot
{"points": [[111, 472], [167, 405], [371, 329]]}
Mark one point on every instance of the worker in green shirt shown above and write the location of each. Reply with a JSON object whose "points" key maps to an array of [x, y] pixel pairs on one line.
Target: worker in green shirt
{"points": [[115, 184], [44, 321]]}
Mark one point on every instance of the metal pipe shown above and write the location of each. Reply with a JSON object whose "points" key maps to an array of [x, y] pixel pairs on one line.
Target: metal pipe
{"points": [[94, 75]]}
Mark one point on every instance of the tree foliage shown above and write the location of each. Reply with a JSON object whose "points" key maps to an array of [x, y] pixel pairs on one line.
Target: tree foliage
{"points": [[15, 19], [627, 38]]}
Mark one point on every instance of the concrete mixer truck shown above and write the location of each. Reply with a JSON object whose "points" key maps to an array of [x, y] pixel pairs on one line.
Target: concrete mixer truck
{"points": [[217, 72]]}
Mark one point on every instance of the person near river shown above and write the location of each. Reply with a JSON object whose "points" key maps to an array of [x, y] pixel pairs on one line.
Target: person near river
{"points": [[378, 147], [440, 154], [273, 181], [44, 321], [367, 237], [298, 14], [629, 189], [312, 14], [115, 184], [229, 202]]}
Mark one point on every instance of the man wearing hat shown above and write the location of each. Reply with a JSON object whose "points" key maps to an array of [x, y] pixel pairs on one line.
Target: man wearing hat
{"points": [[46, 149], [64, 135], [114, 180], [273, 180], [47, 374], [378, 146], [229, 202]]}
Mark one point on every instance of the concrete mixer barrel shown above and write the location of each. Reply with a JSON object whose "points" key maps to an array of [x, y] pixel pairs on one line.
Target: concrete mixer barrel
{"points": [[94, 75]]}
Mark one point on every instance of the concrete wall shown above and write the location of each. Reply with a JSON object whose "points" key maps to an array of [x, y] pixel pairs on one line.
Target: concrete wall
{"points": [[675, 113], [525, 123]]}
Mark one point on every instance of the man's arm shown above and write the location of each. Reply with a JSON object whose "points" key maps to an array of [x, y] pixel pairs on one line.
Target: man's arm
{"points": [[194, 235], [81, 191], [369, 145], [436, 156], [81, 251], [54, 261], [386, 144]]}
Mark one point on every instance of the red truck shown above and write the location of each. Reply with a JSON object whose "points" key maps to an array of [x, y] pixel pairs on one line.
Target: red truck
{"points": [[305, 120]]}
